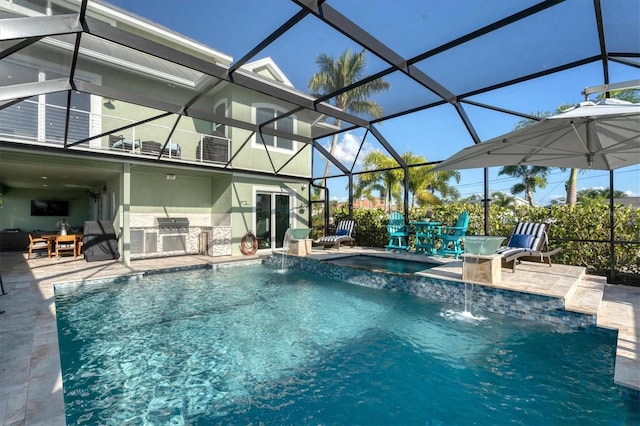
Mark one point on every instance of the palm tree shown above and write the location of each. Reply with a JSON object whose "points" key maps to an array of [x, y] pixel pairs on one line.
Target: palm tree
{"points": [[533, 177], [598, 194], [441, 185], [503, 200], [423, 183], [629, 95], [386, 182], [336, 74]]}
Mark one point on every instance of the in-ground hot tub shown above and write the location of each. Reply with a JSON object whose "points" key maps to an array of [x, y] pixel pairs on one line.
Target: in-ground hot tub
{"points": [[387, 265]]}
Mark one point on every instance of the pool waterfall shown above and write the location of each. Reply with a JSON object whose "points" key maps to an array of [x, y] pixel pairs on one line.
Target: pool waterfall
{"points": [[286, 244]]}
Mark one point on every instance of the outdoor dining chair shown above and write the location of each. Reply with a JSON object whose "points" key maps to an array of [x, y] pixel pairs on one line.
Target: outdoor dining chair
{"points": [[66, 243], [398, 232], [451, 236], [36, 243]]}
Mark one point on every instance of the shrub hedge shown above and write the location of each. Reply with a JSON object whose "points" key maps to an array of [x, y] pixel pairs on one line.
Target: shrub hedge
{"points": [[586, 222]]}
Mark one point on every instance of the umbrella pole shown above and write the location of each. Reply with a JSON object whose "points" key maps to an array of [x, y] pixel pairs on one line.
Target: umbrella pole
{"points": [[612, 245], [486, 201]]}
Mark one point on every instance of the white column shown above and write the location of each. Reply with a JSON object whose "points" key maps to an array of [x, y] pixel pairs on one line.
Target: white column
{"points": [[126, 210]]}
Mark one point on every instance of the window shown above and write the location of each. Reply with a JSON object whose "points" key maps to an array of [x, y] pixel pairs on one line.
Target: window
{"points": [[265, 114]]}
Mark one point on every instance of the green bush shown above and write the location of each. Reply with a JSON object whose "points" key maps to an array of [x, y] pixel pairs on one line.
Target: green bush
{"points": [[585, 221]]}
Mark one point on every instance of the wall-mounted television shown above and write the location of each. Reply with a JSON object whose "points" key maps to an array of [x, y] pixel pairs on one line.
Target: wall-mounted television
{"points": [[49, 208]]}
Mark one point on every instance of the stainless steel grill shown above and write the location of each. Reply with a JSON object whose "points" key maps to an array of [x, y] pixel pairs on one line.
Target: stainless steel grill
{"points": [[173, 225]]}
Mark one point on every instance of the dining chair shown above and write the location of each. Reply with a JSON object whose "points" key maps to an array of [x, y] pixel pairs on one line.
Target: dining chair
{"points": [[66, 243], [79, 245], [36, 243]]}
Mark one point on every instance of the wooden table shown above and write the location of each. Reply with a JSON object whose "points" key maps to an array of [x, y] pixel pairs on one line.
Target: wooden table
{"points": [[425, 236], [52, 241]]}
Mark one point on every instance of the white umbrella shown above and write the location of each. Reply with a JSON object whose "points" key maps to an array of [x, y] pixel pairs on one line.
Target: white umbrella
{"points": [[603, 135]]}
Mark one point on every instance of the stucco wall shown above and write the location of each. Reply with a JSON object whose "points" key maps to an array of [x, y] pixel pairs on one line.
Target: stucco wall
{"points": [[15, 211], [243, 192]]}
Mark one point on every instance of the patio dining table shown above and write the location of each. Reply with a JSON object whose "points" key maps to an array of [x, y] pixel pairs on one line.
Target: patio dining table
{"points": [[426, 236], [52, 241]]}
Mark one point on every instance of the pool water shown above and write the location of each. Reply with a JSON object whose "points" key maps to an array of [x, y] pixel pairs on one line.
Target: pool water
{"points": [[382, 264], [249, 345]]}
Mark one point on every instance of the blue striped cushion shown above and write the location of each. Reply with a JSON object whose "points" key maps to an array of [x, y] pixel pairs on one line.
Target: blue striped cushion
{"points": [[509, 251], [343, 232], [535, 230], [530, 228]]}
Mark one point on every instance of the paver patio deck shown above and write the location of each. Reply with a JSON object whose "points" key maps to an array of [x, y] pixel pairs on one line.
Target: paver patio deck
{"points": [[30, 376]]}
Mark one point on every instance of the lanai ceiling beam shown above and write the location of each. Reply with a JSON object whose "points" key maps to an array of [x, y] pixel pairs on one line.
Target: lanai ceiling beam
{"points": [[240, 77], [39, 26], [268, 40], [349, 28], [330, 157], [601, 41], [18, 45], [26, 90]]}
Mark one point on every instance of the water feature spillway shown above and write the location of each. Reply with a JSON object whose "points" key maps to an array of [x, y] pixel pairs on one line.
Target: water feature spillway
{"points": [[286, 242]]}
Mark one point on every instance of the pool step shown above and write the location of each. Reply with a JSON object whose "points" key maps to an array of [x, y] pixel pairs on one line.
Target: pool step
{"points": [[623, 317], [591, 295], [585, 295]]}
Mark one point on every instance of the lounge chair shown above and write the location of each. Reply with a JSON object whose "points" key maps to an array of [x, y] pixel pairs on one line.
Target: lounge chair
{"points": [[119, 143], [151, 147], [528, 242], [343, 235], [398, 232], [451, 236]]}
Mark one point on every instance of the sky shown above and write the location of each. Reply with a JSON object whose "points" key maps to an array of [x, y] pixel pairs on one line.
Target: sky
{"points": [[234, 27]]}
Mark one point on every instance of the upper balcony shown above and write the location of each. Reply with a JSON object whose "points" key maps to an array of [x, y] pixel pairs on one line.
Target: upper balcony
{"points": [[33, 123]]}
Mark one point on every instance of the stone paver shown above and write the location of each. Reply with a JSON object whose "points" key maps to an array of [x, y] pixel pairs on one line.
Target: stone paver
{"points": [[30, 377]]}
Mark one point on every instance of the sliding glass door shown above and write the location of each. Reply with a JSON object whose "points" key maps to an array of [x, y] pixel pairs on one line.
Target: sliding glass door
{"points": [[273, 212]]}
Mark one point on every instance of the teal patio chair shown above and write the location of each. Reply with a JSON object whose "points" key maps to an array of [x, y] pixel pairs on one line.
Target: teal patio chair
{"points": [[451, 236], [398, 233]]}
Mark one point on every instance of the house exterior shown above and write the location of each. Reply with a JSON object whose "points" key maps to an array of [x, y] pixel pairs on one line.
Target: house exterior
{"points": [[228, 161]]}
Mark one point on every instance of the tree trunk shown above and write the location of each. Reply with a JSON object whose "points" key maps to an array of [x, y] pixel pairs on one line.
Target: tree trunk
{"points": [[572, 188], [529, 196]]}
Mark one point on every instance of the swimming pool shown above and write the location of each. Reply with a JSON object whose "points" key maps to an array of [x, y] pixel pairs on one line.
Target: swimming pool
{"points": [[247, 344], [381, 264]]}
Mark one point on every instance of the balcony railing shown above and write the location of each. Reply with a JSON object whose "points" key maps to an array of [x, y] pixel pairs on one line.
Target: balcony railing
{"points": [[30, 122]]}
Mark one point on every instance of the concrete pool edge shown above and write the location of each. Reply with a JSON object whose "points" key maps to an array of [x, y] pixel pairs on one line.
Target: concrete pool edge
{"points": [[65, 286]]}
